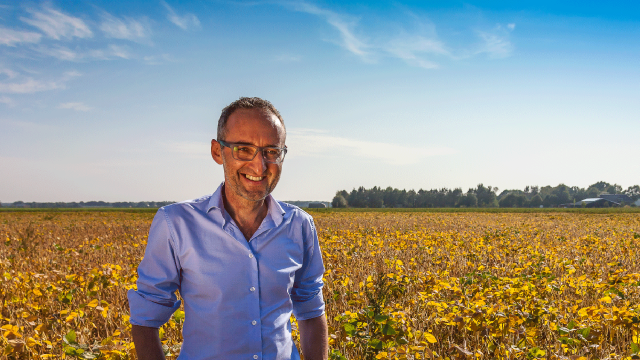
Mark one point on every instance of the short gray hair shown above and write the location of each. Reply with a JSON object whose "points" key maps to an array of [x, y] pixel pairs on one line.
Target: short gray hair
{"points": [[245, 103]]}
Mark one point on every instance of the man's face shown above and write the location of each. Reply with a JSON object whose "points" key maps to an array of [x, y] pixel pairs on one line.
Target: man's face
{"points": [[252, 180]]}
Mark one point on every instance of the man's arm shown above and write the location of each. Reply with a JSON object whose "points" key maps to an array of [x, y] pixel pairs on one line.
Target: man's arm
{"points": [[313, 338], [147, 341]]}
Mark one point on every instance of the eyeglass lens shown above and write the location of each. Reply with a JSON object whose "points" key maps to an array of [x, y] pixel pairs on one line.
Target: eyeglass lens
{"points": [[248, 152]]}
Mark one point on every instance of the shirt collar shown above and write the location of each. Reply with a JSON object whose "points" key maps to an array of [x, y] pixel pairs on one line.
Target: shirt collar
{"points": [[275, 211]]}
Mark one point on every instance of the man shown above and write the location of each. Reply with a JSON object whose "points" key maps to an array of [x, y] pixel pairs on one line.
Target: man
{"points": [[242, 261]]}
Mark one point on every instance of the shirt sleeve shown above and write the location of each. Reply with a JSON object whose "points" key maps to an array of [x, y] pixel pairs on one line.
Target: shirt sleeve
{"points": [[306, 294], [153, 303]]}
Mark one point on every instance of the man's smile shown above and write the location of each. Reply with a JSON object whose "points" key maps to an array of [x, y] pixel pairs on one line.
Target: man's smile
{"points": [[253, 178]]}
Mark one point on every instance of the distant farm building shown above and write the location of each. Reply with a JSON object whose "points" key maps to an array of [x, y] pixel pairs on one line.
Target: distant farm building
{"points": [[618, 198], [595, 203]]}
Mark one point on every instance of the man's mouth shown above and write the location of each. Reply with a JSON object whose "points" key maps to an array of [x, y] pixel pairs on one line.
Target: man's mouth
{"points": [[254, 178]]}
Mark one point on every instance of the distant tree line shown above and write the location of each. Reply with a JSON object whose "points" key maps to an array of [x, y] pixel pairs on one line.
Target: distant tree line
{"points": [[480, 196], [88, 204]]}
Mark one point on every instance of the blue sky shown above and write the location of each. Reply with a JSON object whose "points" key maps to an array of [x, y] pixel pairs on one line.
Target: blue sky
{"points": [[118, 101]]}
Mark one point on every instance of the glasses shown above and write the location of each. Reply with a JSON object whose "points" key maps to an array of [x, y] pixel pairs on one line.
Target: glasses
{"points": [[244, 152]]}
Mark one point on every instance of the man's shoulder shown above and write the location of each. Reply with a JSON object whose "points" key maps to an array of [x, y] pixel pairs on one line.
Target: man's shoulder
{"points": [[295, 212], [200, 204]]}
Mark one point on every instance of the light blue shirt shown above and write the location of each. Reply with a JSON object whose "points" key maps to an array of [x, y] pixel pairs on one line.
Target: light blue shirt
{"points": [[238, 294]]}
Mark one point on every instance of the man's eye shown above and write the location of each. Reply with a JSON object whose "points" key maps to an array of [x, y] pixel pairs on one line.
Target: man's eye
{"points": [[243, 149], [274, 152]]}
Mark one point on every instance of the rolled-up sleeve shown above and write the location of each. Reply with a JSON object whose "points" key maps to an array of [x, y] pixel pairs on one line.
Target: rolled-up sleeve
{"points": [[153, 303], [306, 294]]}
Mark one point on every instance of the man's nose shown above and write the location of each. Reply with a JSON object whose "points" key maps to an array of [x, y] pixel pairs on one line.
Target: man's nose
{"points": [[258, 164]]}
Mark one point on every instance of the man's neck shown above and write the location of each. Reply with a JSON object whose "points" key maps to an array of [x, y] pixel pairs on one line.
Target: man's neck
{"points": [[247, 214]]}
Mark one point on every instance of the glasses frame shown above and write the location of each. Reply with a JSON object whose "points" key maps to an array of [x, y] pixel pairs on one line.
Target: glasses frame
{"points": [[260, 149]]}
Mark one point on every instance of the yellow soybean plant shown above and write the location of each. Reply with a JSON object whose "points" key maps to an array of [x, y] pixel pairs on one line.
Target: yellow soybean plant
{"points": [[398, 285]]}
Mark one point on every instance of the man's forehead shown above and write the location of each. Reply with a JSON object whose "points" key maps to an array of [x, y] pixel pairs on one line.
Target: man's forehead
{"points": [[254, 117]]}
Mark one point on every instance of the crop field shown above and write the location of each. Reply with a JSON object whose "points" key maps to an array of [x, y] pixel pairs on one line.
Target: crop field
{"points": [[398, 285]]}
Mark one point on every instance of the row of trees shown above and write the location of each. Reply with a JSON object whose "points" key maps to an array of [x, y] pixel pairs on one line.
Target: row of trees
{"points": [[88, 204], [480, 196]]}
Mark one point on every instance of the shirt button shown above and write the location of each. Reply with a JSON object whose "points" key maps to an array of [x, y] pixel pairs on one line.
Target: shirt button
{"points": [[252, 289], [250, 256], [255, 356], [254, 322]]}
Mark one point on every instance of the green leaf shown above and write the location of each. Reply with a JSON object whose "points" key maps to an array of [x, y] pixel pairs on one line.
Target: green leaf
{"points": [[350, 329], [387, 329], [70, 337], [336, 355], [375, 344], [70, 350], [572, 325], [635, 348], [584, 332], [536, 352], [178, 316], [381, 318]]}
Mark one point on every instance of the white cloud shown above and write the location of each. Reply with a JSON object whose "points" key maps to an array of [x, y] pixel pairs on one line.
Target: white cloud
{"points": [[412, 49], [11, 37], [345, 26], [185, 22], [495, 45], [77, 106], [67, 54], [315, 143], [7, 101], [159, 59], [60, 52], [29, 86], [57, 25], [419, 46], [127, 28], [9, 73], [119, 51]]}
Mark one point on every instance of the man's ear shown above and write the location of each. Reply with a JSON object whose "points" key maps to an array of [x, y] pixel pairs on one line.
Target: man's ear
{"points": [[216, 151]]}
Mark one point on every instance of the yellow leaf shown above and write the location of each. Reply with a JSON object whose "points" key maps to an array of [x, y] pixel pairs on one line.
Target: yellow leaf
{"points": [[93, 303], [37, 292], [430, 338], [31, 342], [606, 300]]}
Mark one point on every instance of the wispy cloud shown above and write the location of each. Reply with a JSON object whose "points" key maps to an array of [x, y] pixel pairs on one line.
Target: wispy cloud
{"points": [[7, 101], [413, 48], [10, 74], [159, 59], [418, 45], [496, 43], [11, 37], [344, 24], [29, 86], [315, 143], [56, 24], [187, 21], [127, 28], [67, 54], [77, 106]]}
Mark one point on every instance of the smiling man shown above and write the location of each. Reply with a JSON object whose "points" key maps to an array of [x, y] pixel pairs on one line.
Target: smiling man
{"points": [[242, 261]]}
